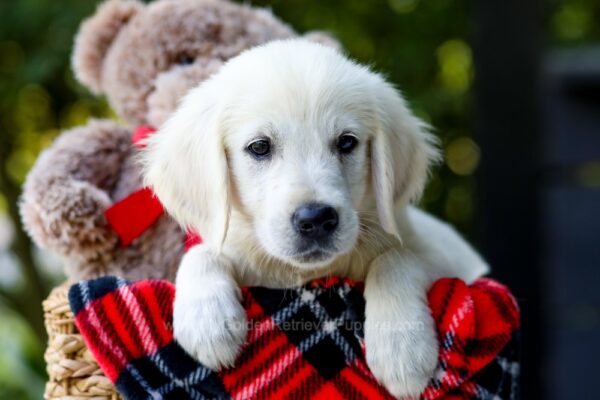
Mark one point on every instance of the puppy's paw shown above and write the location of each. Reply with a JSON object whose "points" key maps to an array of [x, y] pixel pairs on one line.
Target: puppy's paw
{"points": [[402, 357], [212, 329]]}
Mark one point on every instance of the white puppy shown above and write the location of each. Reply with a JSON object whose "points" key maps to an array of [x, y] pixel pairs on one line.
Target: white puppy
{"points": [[293, 163]]}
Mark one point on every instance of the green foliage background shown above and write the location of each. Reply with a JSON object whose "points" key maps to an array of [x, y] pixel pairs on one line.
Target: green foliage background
{"points": [[422, 45]]}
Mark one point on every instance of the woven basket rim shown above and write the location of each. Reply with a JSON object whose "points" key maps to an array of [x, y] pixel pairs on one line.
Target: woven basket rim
{"points": [[73, 373]]}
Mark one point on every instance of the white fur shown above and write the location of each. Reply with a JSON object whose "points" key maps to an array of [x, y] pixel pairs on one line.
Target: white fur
{"points": [[214, 328], [303, 96]]}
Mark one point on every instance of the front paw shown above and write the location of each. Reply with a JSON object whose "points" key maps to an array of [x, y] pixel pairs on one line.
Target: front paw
{"points": [[401, 356], [211, 328]]}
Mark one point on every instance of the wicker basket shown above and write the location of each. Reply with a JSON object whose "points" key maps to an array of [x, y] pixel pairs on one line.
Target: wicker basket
{"points": [[72, 370]]}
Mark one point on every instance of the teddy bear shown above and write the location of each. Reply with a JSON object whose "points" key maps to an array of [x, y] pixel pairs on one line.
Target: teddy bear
{"points": [[143, 58]]}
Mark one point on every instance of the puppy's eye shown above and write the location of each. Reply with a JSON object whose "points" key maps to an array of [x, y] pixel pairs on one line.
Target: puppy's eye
{"points": [[346, 143], [260, 148]]}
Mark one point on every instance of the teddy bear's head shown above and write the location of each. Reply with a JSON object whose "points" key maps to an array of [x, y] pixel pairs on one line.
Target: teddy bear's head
{"points": [[144, 57]]}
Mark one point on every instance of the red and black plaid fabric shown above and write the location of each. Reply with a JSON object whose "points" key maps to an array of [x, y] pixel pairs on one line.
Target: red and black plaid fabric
{"points": [[302, 343]]}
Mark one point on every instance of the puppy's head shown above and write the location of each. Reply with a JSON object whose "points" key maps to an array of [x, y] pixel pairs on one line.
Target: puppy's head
{"points": [[297, 139]]}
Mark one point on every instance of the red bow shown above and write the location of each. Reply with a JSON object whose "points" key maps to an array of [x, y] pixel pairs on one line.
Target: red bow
{"points": [[133, 215]]}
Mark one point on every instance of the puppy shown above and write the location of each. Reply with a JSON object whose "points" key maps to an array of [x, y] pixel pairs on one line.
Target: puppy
{"points": [[294, 162]]}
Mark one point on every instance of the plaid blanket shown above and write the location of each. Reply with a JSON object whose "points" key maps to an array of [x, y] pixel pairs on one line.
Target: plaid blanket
{"points": [[303, 343]]}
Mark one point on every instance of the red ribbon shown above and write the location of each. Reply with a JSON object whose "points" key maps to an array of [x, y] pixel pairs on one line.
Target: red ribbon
{"points": [[133, 215]]}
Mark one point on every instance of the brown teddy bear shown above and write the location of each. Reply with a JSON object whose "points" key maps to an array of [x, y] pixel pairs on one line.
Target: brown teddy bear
{"points": [[143, 58]]}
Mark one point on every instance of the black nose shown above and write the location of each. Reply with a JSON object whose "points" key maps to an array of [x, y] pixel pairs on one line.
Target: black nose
{"points": [[315, 221]]}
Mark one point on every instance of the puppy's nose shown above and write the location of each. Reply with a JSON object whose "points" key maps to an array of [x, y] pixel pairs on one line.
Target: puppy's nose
{"points": [[315, 221]]}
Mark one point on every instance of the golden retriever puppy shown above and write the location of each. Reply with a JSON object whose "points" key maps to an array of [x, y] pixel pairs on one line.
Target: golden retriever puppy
{"points": [[294, 162]]}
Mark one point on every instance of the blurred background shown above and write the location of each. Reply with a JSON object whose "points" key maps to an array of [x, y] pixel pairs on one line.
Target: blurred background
{"points": [[513, 90]]}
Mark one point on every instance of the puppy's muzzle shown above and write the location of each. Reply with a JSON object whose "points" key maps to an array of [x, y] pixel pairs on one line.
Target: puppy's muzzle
{"points": [[315, 222]]}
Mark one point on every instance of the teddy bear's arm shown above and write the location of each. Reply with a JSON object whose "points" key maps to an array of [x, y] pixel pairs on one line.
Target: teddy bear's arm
{"points": [[69, 188]]}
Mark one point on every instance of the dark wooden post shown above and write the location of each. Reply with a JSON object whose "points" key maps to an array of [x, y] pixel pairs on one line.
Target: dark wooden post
{"points": [[507, 49]]}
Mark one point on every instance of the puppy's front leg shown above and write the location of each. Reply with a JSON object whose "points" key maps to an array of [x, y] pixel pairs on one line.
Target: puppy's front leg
{"points": [[209, 321], [400, 338]]}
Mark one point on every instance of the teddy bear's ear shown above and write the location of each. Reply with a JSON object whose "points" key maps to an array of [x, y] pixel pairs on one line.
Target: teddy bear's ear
{"points": [[324, 38], [95, 37]]}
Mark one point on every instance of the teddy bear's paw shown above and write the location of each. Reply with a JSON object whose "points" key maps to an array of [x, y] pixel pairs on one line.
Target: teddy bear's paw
{"points": [[211, 329], [403, 359]]}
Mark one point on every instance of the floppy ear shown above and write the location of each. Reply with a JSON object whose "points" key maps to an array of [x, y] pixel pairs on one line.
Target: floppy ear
{"points": [[186, 166], [95, 37], [401, 153]]}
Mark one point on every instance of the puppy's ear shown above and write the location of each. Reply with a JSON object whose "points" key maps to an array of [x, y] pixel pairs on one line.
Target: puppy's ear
{"points": [[186, 166], [401, 153]]}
